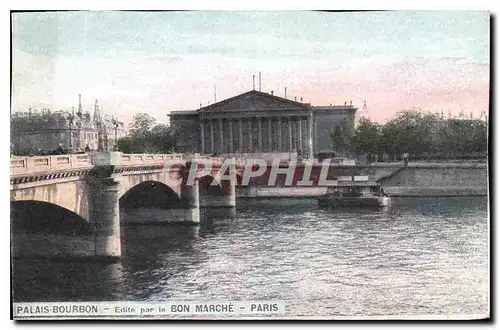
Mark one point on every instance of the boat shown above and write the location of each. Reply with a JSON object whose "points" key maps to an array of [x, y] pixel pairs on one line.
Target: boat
{"points": [[355, 194]]}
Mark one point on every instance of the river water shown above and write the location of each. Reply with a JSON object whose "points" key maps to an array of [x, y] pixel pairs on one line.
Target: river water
{"points": [[425, 256]]}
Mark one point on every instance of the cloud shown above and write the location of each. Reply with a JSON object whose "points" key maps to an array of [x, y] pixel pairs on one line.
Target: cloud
{"points": [[160, 63], [32, 78], [446, 83], [160, 84]]}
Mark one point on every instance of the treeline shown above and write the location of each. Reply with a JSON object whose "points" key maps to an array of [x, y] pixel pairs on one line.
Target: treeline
{"points": [[421, 135], [146, 136]]}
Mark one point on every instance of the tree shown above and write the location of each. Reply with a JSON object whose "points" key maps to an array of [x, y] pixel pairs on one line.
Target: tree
{"points": [[480, 142], [425, 135], [142, 124], [367, 138], [126, 144], [147, 137], [389, 138], [411, 131], [343, 138], [163, 139]]}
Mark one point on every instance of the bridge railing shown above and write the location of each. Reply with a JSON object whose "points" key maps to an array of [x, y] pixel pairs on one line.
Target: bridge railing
{"points": [[26, 165], [218, 161], [145, 159], [213, 160]]}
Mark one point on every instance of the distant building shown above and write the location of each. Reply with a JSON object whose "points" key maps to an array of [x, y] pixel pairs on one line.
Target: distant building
{"points": [[38, 131], [257, 122]]}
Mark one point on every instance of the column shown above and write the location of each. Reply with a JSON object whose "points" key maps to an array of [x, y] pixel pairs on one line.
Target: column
{"points": [[310, 135], [259, 120], [300, 134], [290, 144], [250, 140], [212, 145], [269, 134], [240, 128], [230, 147], [202, 136], [279, 134], [190, 196], [221, 125], [104, 217]]}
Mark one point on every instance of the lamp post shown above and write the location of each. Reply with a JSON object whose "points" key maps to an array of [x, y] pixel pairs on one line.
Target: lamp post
{"points": [[71, 118], [115, 125], [100, 143], [99, 139]]}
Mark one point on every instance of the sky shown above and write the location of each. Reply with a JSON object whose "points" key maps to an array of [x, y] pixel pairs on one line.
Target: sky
{"points": [[157, 62]]}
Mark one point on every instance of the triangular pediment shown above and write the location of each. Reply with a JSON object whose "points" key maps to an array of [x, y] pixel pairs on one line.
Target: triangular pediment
{"points": [[254, 101]]}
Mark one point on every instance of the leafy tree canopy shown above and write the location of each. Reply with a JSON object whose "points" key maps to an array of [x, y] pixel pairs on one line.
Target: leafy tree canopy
{"points": [[146, 136], [420, 134]]}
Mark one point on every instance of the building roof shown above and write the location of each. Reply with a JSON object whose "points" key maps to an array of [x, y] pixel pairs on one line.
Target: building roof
{"points": [[335, 107], [255, 100], [258, 101]]}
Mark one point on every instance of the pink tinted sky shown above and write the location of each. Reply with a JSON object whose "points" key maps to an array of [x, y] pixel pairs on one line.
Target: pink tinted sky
{"points": [[166, 61]]}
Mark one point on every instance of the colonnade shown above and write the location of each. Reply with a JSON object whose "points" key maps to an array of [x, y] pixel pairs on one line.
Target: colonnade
{"points": [[256, 134]]}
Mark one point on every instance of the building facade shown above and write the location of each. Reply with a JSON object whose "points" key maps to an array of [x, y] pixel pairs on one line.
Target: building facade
{"points": [[257, 122], [41, 131]]}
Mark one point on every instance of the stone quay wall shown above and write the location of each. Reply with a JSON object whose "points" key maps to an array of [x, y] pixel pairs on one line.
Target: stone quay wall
{"points": [[416, 180]]}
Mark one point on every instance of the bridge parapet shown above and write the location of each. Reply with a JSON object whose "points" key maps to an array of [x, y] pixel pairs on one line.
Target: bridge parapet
{"points": [[39, 164], [28, 165], [153, 159], [120, 159], [216, 161]]}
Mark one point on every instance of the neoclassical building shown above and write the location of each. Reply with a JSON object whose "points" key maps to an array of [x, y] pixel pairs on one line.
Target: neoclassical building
{"points": [[257, 122]]}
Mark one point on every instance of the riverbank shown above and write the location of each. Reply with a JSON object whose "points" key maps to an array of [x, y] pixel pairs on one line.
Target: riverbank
{"points": [[436, 191], [266, 193], [418, 179]]}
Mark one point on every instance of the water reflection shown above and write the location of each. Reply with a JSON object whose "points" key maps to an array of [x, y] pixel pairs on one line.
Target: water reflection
{"points": [[428, 256], [40, 280]]}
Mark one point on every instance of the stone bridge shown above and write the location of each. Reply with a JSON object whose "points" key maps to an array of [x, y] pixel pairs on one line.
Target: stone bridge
{"points": [[93, 185]]}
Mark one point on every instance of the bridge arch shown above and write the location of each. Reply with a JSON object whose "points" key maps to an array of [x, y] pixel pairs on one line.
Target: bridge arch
{"points": [[40, 216], [70, 195], [150, 194]]}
